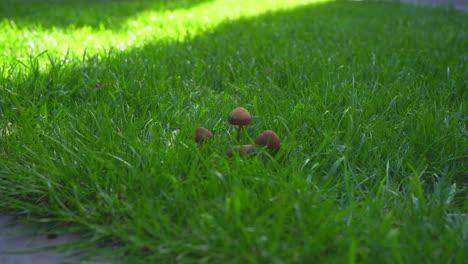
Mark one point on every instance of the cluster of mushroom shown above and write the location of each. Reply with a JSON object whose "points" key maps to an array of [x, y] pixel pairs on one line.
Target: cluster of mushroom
{"points": [[241, 117]]}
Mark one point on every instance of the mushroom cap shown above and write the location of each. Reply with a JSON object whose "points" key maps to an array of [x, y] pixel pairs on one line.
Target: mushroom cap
{"points": [[201, 134], [242, 150], [240, 117], [268, 138]]}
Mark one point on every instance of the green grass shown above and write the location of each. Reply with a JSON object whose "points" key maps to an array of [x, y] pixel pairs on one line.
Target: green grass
{"points": [[98, 113]]}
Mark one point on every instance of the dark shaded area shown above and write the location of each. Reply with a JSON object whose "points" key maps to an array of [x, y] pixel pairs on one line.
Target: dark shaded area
{"points": [[107, 14], [52, 236]]}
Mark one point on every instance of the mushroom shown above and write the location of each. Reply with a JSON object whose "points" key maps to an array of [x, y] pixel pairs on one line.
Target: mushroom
{"points": [[239, 117], [268, 138], [242, 150], [201, 134]]}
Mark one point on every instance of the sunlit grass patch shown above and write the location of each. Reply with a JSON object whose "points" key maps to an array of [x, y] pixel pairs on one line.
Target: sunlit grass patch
{"points": [[103, 30]]}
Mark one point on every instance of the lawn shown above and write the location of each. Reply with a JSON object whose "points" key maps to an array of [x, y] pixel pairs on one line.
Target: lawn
{"points": [[99, 102]]}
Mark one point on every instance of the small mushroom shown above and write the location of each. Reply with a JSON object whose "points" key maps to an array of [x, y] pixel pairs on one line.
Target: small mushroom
{"points": [[239, 117], [201, 134], [268, 138], [242, 150]]}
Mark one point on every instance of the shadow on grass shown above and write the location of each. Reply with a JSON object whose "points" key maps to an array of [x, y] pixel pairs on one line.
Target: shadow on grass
{"points": [[290, 54], [107, 14]]}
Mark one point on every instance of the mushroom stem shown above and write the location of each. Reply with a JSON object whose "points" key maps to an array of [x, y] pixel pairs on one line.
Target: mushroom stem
{"points": [[239, 129]]}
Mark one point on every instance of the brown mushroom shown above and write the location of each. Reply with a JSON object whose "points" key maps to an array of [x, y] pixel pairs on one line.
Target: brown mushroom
{"points": [[239, 117], [201, 134], [241, 150], [268, 138]]}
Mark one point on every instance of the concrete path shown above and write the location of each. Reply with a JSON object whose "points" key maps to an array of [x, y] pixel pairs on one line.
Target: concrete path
{"points": [[459, 4], [24, 244], [21, 244], [16, 240]]}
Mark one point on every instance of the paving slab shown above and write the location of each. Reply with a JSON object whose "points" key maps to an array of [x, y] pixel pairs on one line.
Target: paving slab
{"points": [[19, 244], [459, 4]]}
